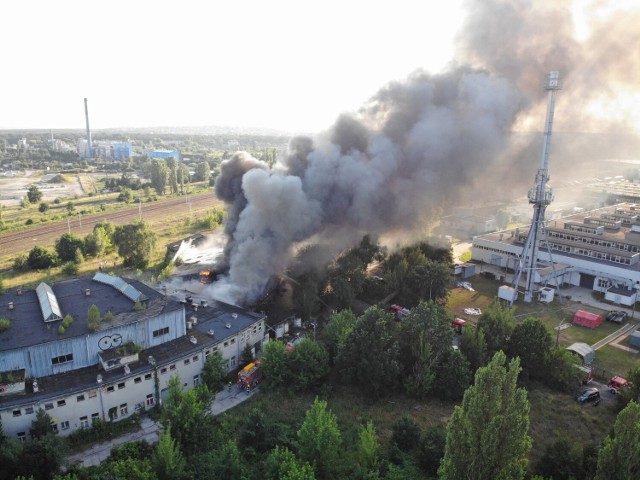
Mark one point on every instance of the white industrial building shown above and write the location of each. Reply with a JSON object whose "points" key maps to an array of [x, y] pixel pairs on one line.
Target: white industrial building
{"points": [[599, 249], [122, 367]]}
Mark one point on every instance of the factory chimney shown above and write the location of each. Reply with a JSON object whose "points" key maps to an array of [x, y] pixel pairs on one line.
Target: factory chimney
{"points": [[86, 115]]}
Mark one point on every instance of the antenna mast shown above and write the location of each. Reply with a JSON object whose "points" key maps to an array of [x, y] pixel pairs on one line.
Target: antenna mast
{"points": [[540, 196]]}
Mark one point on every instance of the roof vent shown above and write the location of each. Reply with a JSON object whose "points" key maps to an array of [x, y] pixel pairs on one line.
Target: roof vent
{"points": [[19, 291], [36, 388], [99, 378], [195, 307], [189, 325], [87, 292], [10, 305], [204, 303], [228, 325], [211, 332], [234, 315], [151, 360], [193, 339], [127, 370]]}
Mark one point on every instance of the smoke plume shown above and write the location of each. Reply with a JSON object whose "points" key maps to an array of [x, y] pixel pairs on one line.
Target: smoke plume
{"points": [[420, 144]]}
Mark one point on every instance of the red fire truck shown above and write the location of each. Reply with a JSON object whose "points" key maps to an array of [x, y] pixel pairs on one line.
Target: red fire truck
{"points": [[250, 376]]}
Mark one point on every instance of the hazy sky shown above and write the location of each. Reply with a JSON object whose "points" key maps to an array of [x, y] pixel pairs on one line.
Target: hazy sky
{"points": [[292, 65]]}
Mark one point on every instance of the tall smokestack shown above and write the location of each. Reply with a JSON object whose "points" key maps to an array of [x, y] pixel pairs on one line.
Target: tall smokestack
{"points": [[86, 116]]}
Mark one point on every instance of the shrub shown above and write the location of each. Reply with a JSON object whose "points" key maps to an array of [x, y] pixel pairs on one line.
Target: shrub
{"points": [[61, 329], [70, 268], [67, 321], [5, 323], [108, 316], [29, 221], [93, 318], [21, 263]]}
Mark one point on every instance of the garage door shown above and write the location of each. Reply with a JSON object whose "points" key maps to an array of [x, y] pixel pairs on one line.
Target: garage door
{"points": [[586, 281]]}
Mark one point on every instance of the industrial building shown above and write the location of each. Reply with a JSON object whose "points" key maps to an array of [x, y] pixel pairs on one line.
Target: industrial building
{"points": [[117, 368], [599, 249], [163, 154]]}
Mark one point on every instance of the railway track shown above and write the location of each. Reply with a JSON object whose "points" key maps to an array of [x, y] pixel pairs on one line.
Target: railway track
{"points": [[45, 235]]}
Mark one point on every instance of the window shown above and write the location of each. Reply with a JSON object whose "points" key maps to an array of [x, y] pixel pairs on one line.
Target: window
{"points": [[17, 413], [94, 417], [28, 411], [62, 403], [120, 385], [233, 340], [48, 406], [226, 344], [80, 398], [54, 427], [62, 359], [195, 358], [163, 370], [150, 399], [93, 393], [206, 353], [137, 380], [84, 422], [110, 388], [187, 361], [160, 332], [172, 367], [22, 436], [124, 409], [64, 425], [196, 380], [233, 361], [147, 376]]}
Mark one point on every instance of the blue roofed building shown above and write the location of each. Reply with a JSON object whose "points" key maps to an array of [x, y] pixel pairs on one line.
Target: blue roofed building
{"points": [[162, 154], [119, 367]]}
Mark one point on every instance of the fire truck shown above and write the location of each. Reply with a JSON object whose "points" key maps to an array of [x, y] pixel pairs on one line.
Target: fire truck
{"points": [[617, 384], [250, 376]]}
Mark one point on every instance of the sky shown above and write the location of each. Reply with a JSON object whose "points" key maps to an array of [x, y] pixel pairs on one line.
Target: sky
{"points": [[287, 65]]}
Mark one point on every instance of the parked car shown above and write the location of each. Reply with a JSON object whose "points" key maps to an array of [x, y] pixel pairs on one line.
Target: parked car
{"points": [[588, 395], [617, 316], [291, 344]]}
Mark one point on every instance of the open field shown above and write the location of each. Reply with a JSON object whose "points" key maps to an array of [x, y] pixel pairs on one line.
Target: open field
{"points": [[14, 188]]}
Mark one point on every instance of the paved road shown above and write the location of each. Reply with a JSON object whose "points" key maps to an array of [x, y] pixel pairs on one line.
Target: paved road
{"points": [[149, 429]]}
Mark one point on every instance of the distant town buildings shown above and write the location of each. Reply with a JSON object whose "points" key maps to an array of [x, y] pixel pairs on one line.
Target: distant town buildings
{"points": [[162, 154]]}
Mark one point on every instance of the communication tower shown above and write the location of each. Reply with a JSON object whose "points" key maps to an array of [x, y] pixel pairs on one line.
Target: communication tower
{"points": [[540, 196]]}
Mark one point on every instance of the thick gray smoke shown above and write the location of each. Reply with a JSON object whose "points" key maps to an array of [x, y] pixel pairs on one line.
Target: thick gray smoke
{"points": [[386, 170], [423, 143]]}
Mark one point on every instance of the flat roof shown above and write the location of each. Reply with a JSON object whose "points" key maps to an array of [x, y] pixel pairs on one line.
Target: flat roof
{"points": [[28, 326]]}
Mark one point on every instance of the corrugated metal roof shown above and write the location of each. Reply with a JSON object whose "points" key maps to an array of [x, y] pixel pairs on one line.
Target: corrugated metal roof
{"points": [[48, 303]]}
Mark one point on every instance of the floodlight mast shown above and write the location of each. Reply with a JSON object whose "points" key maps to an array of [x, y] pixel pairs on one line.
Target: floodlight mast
{"points": [[540, 196]]}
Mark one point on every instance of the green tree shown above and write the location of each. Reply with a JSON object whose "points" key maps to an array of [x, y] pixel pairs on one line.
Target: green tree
{"points": [[40, 259], [335, 333], [619, 457], [185, 413], [159, 175], [247, 355], [70, 208], [172, 176], [126, 195], [43, 207], [307, 365], [136, 243], [425, 340], [274, 364], [432, 449], [560, 461], [496, 323], [453, 376], [371, 347], [405, 434], [98, 243], [34, 195], [41, 426], [530, 341], [487, 436], [42, 457], [368, 447], [93, 318], [66, 246], [168, 461], [203, 171], [474, 347], [319, 439], [559, 370], [214, 372], [282, 464]]}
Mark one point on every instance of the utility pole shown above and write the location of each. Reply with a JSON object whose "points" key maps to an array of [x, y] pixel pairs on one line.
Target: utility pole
{"points": [[540, 196]]}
